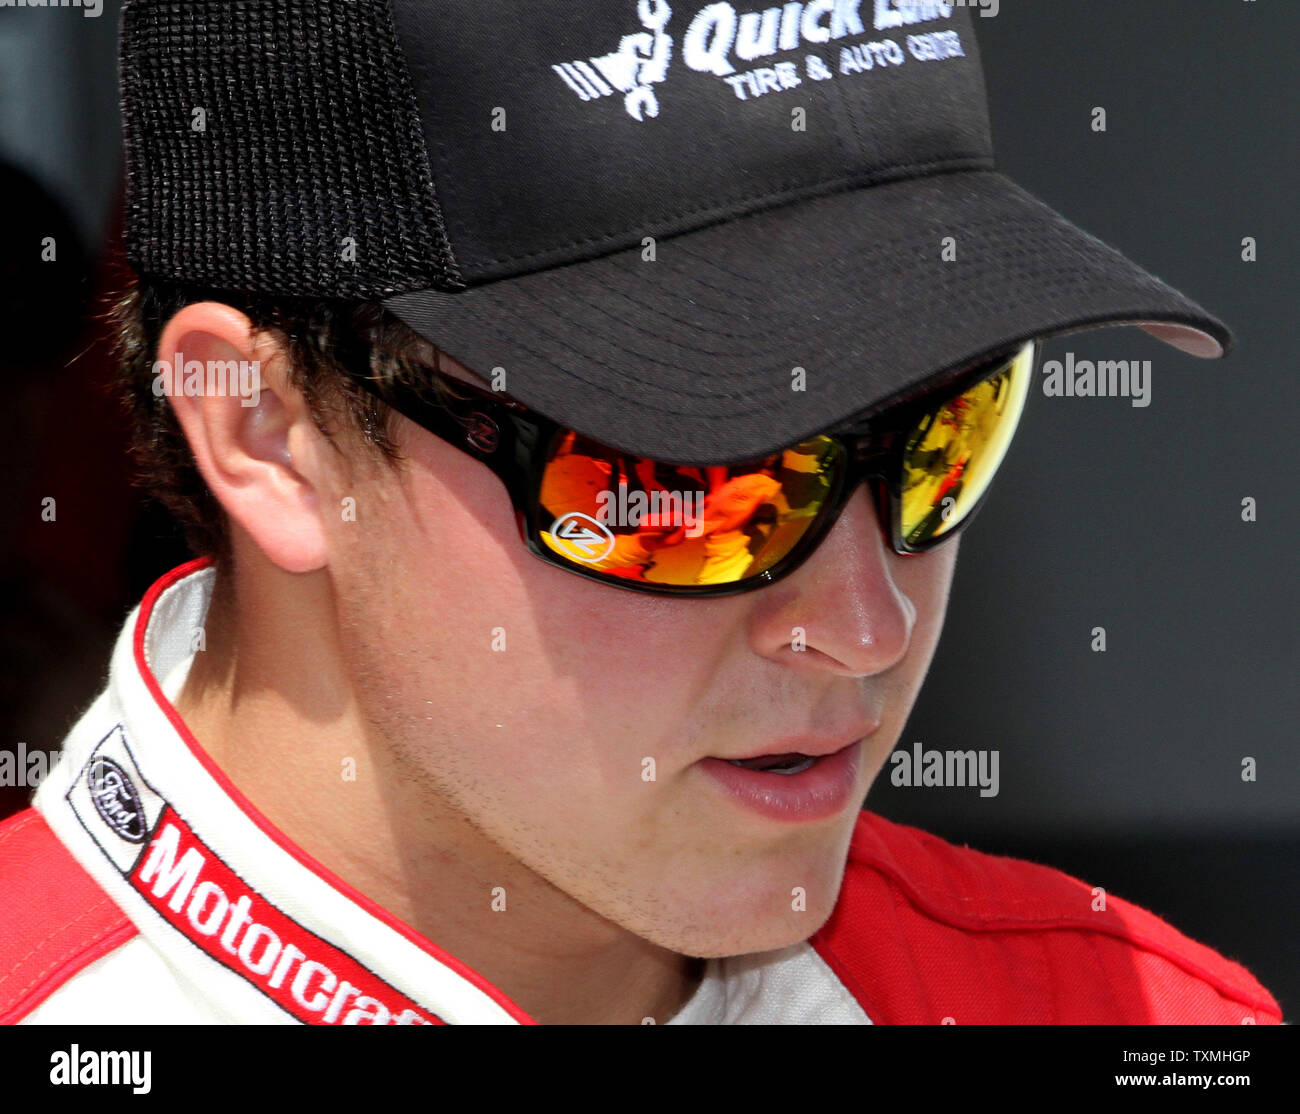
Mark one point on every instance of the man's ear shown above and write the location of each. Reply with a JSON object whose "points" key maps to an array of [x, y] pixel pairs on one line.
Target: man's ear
{"points": [[251, 433]]}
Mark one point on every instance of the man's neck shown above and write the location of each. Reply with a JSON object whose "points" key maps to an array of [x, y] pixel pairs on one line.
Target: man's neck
{"points": [[284, 728]]}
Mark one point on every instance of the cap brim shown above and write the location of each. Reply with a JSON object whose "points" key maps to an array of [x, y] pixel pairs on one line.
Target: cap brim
{"points": [[686, 350]]}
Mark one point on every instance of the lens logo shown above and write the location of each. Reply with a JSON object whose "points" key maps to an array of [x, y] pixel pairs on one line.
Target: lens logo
{"points": [[482, 432], [116, 800], [581, 538]]}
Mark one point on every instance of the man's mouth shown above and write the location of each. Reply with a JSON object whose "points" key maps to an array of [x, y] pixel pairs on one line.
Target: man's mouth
{"points": [[814, 749], [776, 763], [792, 785]]}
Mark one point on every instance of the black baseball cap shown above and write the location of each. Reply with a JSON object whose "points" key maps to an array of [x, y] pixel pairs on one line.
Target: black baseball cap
{"points": [[649, 213]]}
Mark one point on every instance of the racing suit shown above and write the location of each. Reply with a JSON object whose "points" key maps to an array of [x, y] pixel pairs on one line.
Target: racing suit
{"points": [[142, 886]]}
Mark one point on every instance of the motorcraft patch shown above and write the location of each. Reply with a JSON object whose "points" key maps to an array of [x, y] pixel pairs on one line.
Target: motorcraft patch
{"points": [[187, 884], [203, 898]]}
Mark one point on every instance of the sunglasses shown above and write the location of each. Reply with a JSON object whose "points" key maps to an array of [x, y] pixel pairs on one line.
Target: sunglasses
{"points": [[718, 530]]}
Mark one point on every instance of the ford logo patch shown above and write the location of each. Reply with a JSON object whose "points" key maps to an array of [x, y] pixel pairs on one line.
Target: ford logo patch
{"points": [[116, 800]]}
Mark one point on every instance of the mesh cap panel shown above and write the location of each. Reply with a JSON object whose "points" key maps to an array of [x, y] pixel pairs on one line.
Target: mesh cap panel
{"points": [[305, 173]]}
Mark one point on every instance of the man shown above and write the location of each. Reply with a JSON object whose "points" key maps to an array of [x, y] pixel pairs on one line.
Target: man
{"points": [[577, 410]]}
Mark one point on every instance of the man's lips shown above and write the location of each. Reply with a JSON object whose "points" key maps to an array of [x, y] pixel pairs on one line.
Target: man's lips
{"points": [[791, 786], [812, 746]]}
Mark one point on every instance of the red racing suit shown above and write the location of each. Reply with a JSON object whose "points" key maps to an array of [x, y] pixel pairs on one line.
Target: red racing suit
{"points": [[142, 886]]}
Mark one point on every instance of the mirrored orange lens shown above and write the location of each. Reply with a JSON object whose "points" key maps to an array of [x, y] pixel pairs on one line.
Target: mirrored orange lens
{"points": [[679, 525], [952, 454]]}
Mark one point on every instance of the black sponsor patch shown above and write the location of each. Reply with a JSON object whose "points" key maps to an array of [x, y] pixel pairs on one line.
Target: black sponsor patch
{"points": [[116, 799]]}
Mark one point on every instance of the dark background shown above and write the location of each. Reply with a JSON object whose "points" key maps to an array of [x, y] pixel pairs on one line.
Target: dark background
{"points": [[1122, 767]]}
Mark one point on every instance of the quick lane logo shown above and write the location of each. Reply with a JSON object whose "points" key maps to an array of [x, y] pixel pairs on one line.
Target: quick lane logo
{"points": [[116, 799], [200, 896], [640, 62], [718, 36]]}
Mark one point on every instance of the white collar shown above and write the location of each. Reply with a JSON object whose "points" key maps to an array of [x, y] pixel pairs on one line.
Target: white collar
{"points": [[232, 904], [251, 923]]}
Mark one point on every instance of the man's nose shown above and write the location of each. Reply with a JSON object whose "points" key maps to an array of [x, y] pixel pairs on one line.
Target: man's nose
{"points": [[841, 609]]}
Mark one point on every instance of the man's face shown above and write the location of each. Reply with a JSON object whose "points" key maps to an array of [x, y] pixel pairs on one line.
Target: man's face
{"points": [[571, 723]]}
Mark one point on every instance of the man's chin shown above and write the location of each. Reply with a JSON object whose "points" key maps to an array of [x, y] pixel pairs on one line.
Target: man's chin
{"points": [[780, 898], [770, 935], [761, 920]]}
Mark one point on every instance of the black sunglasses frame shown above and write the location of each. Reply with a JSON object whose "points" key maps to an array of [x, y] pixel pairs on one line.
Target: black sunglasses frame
{"points": [[516, 442]]}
